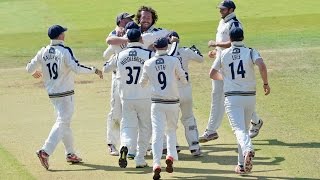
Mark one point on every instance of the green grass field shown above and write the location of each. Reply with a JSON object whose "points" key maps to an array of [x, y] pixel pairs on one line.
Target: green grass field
{"points": [[285, 32]]}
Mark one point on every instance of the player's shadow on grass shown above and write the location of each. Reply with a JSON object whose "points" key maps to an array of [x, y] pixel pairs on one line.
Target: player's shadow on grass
{"points": [[275, 142], [95, 167]]}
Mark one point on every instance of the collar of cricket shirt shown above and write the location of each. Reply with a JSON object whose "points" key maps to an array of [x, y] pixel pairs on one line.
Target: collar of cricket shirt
{"points": [[161, 52], [56, 42], [134, 44], [150, 30], [229, 16], [237, 43]]}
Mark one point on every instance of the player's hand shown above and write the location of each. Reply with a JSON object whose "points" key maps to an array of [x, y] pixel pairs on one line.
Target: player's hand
{"points": [[212, 53], [37, 74], [212, 43], [120, 31], [174, 39], [99, 73], [266, 89]]}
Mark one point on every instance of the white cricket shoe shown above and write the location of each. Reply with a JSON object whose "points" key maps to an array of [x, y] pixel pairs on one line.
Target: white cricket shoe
{"points": [[255, 128]]}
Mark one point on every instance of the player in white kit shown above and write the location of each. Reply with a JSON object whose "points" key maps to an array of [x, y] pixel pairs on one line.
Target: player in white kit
{"points": [[185, 55], [58, 64], [162, 72], [235, 66], [226, 24], [114, 116]]}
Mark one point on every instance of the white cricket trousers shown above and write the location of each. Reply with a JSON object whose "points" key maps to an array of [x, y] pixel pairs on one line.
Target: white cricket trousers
{"points": [[114, 116], [187, 117], [239, 110], [217, 107], [64, 108], [135, 126], [164, 118]]}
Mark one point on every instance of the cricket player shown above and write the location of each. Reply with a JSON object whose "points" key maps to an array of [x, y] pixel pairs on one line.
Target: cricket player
{"points": [[162, 72], [114, 116], [58, 64], [226, 24], [136, 101], [235, 66]]}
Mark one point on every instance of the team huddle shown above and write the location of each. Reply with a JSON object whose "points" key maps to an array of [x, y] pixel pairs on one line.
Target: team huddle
{"points": [[150, 86]]}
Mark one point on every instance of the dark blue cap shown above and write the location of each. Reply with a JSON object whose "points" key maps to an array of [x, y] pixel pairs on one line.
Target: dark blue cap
{"points": [[173, 33], [123, 16], [131, 25], [133, 34], [161, 42], [227, 4], [236, 34], [55, 30]]}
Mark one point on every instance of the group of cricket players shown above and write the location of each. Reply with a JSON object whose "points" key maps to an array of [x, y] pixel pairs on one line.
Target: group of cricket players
{"points": [[150, 86]]}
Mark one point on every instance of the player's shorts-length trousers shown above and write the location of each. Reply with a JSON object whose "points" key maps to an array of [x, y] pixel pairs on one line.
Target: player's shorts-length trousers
{"points": [[164, 119], [64, 108], [239, 110]]}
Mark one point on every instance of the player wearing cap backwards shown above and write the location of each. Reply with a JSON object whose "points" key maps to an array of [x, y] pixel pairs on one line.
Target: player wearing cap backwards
{"points": [[114, 116], [162, 72], [58, 64], [226, 24], [235, 66], [136, 101]]}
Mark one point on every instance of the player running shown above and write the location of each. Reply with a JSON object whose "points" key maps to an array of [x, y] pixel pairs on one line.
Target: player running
{"points": [[163, 72], [57, 64], [235, 66]]}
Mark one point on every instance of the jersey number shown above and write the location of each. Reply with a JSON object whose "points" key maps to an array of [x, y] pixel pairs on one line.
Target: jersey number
{"points": [[53, 70], [162, 80], [240, 69], [131, 78]]}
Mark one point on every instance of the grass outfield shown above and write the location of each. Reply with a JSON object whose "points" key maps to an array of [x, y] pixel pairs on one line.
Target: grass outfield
{"points": [[285, 32]]}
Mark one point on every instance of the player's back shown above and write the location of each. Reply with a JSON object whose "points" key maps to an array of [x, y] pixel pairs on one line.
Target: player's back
{"points": [[129, 66], [162, 73], [238, 69]]}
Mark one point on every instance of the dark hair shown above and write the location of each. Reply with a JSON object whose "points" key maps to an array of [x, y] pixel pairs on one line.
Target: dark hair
{"points": [[148, 9]]}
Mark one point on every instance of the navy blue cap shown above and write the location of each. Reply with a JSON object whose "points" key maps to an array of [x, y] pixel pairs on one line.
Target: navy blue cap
{"points": [[55, 30], [123, 16], [227, 4], [131, 25], [161, 42], [173, 33], [133, 34], [236, 34]]}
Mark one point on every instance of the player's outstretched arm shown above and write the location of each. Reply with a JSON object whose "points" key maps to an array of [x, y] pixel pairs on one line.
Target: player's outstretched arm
{"points": [[99, 73], [264, 75]]}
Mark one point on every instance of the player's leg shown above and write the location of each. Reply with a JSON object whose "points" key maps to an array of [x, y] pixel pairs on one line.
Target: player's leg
{"points": [[113, 119], [172, 116], [128, 130], [216, 112], [256, 124], [188, 120], [158, 127]]}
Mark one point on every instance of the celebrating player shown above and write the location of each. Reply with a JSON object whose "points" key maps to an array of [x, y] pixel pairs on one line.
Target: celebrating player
{"points": [[226, 24], [162, 72], [57, 64], [235, 66]]}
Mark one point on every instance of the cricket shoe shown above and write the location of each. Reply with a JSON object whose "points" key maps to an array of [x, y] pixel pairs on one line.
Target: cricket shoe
{"points": [[165, 151], [113, 150], [255, 128], [208, 136], [131, 156], [44, 158], [123, 157], [73, 158], [169, 162], [248, 161], [156, 172], [196, 50], [196, 152], [143, 165], [239, 169]]}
